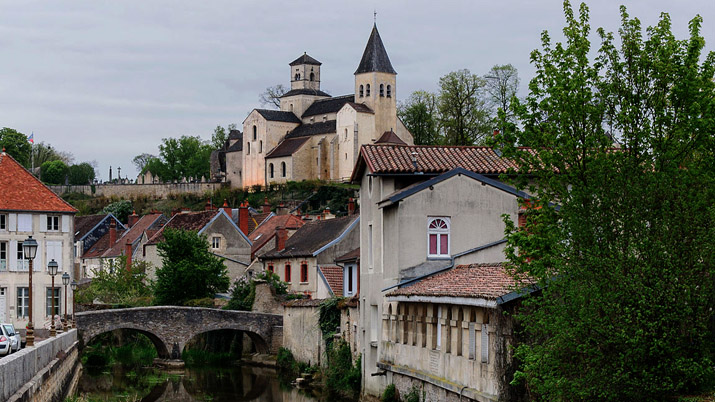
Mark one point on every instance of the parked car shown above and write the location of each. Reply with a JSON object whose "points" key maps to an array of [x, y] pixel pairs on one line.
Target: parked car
{"points": [[8, 330], [5, 344]]}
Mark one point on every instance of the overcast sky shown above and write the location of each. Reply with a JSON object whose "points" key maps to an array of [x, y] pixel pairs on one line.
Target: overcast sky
{"points": [[107, 80]]}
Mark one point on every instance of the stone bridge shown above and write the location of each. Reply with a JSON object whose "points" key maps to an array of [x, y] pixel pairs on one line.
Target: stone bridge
{"points": [[170, 328]]}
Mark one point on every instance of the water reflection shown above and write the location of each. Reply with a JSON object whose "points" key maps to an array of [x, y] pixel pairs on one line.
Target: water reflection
{"points": [[196, 384]]}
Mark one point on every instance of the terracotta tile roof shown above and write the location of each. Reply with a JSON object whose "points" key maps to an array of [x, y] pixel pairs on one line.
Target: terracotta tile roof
{"points": [[267, 230], [287, 147], [389, 137], [255, 220], [187, 221], [349, 256], [334, 276], [21, 191], [313, 236], [102, 245], [134, 233], [83, 224], [484, 281]]}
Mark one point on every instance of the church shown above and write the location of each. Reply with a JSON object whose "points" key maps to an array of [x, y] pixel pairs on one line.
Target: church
{"points": [[315, 135]]}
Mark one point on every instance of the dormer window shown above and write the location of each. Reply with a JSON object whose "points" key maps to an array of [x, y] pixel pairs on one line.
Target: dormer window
{"points": [[361, 91], [438, 237], [389, 91], [382, 90], [367, 90]]}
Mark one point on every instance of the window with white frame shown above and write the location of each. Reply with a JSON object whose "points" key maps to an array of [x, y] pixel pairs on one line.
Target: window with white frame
{"points": [[3, 256], [438, 237], [50, 294], [215, 242], [22, 263], [53, 223], [3, 221], [23, 302]]}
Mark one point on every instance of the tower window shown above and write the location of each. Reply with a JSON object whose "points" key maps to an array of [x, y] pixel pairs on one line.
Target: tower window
{"points": [[346, 134], [312, 77], [260, 146], [389, 91], [361, 91], [255, 132], [248, 148], [382, 90], [297, 76], [367, 90]]}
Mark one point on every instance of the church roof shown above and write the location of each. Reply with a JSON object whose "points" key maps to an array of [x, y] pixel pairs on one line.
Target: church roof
{"points": [[375, 59], [237, 146], [305, 59], [287, 147], [305, 130], [361, 107], [304, 91], [235, 135], [278, 115], [330, 105], [389, 137]]}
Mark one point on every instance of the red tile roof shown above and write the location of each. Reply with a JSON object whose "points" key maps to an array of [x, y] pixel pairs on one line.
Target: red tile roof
{"points": [[101, 246], [389, 137], [267, 229], [334, 276], [485, 281], [188, 221], [21, 191], [132, 234]]}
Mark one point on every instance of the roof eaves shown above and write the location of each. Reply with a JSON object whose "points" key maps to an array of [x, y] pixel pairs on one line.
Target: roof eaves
{"points": [[339, 238], [222, 212]]}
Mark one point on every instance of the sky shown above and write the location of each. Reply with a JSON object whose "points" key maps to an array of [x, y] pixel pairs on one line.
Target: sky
{"points": [[107, 80]]}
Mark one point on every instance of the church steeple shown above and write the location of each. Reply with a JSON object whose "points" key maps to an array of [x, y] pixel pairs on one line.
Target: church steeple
{"points": [[305, 73], [375, 58]]}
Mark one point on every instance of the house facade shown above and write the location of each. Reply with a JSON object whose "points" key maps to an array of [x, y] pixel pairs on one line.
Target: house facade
{"points": [[30, 209]]}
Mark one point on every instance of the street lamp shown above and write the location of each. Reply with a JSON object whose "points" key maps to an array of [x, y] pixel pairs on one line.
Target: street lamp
{"points": [[73, 286], [29, 251], [65, 281], [52, 269]]}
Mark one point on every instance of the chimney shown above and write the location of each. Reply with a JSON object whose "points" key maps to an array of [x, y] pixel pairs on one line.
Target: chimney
{"points": [[351, 206], [243, 217], [133, 218], [112, 232], [414, 160], [266, 206], [226, 208], [281, 237], [128, 253], [208, 205], [282, 209]]}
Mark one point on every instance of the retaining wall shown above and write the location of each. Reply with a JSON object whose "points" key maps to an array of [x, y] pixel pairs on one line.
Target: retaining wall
{"points": [[46, 372], [130, 191]]}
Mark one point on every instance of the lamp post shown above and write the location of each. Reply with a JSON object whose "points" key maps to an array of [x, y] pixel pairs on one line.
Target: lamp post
{"points": [[73, 286], [52, 269], [29, 251], [65, 281]]}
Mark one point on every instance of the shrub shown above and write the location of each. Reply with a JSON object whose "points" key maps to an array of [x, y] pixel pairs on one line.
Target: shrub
{"points": [[341, 375], [390, 394]]}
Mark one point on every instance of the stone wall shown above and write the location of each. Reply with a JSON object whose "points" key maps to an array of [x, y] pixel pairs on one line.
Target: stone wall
{"points": [[131, 191], [301, 331], [46, 372]]}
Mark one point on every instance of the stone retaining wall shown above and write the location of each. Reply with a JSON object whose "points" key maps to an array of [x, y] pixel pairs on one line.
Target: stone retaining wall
{"points": [[132, 191], [45, 372]]}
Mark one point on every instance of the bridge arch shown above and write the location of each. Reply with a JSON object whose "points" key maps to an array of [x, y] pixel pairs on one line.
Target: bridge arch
{"points": [[161, 348]]}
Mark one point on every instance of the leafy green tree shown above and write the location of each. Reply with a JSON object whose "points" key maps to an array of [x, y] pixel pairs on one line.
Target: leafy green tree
{"points": [[420, 115], [54, 172], [220, 135], [120, 209], [185, 157], [115, 284], [189, 271], [15, 144], [627, 263], [464, 114], [42, 153], [81, 174]]}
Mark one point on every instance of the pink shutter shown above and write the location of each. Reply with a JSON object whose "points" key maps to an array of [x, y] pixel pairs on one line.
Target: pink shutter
{"points": [[443, 239], [433, 244]]}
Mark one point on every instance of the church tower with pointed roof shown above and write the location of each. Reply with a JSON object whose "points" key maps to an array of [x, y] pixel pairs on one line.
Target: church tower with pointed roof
{"points": [[376, 84]]}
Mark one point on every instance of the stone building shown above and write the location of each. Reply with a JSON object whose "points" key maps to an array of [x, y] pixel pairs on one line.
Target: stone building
{"points": [[315, 135]]}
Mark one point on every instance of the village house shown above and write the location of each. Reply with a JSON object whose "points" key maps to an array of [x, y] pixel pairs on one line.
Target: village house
{"points": [[424, 211], [263, 237], [30, 209], [88, 230]]}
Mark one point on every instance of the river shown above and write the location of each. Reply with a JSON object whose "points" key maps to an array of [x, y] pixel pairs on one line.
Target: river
{"points": [[243, 383]]}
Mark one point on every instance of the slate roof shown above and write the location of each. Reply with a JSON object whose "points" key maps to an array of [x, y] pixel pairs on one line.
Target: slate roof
{"points": [[304, 130], [267, 230], [305, 59], [305, 91], [83, 224], [134, 233], [102, 245], [287, 147], [334, 276], [389, 137], [485, 281], [278, 115], [188, 221], [235, 135], [349, 256], [313, 236], [326, 106], [21, 191], [375, 59], [238, 146], [361, 107]]}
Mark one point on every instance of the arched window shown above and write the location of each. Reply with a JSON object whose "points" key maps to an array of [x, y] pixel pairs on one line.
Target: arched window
{"points": [[304, 271], [389, 91], [270, 170], [283, 169], [361, 91], [367, 90], [297, 77], [438, 237], [260, 147], [248, 148], [312, 77], [287, 272], [255, 132], [382, 90]]}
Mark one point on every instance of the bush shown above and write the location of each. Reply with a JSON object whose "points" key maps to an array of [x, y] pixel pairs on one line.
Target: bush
{"points": [[114, 284], [287, 365], [390, 394], [341, 375], [243, 293], [413, 395]]}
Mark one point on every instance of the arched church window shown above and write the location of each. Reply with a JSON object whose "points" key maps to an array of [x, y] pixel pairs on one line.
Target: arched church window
{"points": [[361, 91], [367, 90], [270, 170], [283, 169], [312, 77], [248, 148], [382, 90], [389, 91], [255, 132], [260, 147]]}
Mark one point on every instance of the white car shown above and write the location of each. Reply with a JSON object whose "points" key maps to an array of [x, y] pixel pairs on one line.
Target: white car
{"points": [[8, 330]]}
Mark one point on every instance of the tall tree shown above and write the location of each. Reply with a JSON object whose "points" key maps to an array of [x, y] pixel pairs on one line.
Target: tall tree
{"points": [[272, 96], [420, 115], [502, 83], [15, 144], [54, 172], [80, 174], [626, 264], [220, 135], [464, 115], [141, 160], [185, 157]]}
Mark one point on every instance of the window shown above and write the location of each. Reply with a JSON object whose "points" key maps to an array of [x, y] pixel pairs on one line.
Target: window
{"points": [[346, 156], [304, 271], [3, 222], [287, 272], [367, 90], [485, 344], [389, 91], [248, 148], [283, 169], [255, 132], [260, 146], [3, 256], [369, 245], [23, 302], [346, 134], [297, 77], [270, 170], [361, 91], [22, 264], [439, 327], [53, 223], [438, 237], [270, 268], [215, 242], [382, 90], [312, 76], [50, 294]]}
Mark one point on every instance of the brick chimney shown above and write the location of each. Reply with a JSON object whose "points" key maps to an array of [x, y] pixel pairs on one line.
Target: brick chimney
{"points": [[243, 217], [281, 237], [226, 208], [112, 232], [208, 206], [128, 253], [351, 206], [133, 218], [266, 206]]}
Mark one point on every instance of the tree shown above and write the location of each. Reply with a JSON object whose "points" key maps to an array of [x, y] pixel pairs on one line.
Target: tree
{"points": [[626, 264], [120, 210], [115, 284], [141, 160], [16, 145], [419, 113], [185, 157], [272, 96], [188, 270], [502, 83], [54, 172], [464, 116], [81, 174], [220, 135]]}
